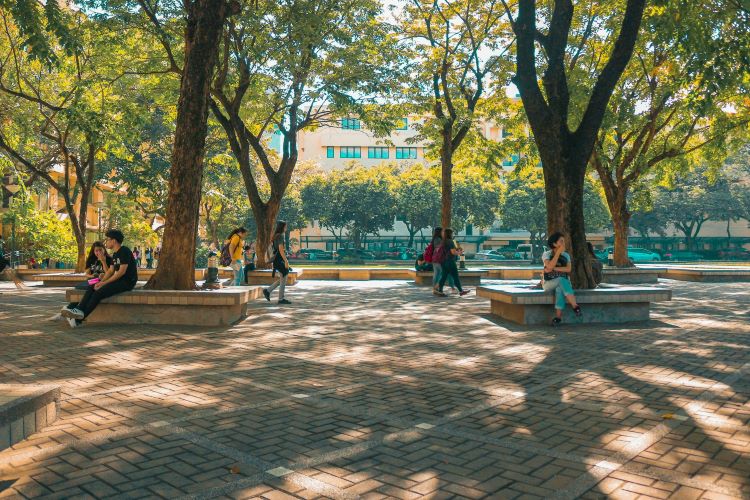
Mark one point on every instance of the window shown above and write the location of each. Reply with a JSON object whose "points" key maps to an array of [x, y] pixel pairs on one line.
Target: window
{"points": [[506, 133], [377, 152], [330, 153], [406, 153], [402, 124], [350, 123], [350, 152], [513, 160]]}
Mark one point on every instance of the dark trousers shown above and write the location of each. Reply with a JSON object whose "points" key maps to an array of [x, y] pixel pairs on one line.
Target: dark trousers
{"points": [[92, 297], [450, 269]]}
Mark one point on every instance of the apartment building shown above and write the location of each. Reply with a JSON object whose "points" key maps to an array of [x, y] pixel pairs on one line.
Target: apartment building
{"points": [[335, 146]]}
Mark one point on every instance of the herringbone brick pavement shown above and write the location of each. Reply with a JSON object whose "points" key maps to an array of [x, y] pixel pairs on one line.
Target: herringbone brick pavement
{"points": [[380, 390]]}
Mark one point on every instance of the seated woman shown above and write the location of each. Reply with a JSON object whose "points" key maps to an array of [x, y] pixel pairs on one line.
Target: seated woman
{"points": [[421, 264], [97, 263], [557, 267]]}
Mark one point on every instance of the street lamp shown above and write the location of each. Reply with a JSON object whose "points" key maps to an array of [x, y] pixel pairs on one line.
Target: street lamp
{"points": [[12, 189], [99, 205]]}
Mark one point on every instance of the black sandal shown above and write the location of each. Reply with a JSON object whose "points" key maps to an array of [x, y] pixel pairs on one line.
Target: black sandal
{"points": [[556, 321], [577, 310]]}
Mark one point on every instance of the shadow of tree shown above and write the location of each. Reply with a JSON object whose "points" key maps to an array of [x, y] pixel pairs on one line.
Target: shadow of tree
{"points": [[379, 382]]}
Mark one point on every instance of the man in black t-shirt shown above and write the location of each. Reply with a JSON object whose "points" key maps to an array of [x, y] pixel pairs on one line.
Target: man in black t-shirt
{"points": [[120, 277]]}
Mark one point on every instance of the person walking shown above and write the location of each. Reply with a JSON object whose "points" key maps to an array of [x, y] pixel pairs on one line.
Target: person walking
{"points": [[447, 256], [9, 272], [280, 264], [120, 277], [557, 267], [235, 242], [149, 258]]}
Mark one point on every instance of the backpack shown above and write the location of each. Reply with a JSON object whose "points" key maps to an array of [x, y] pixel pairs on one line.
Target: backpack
{"points": [[440, 255], [225, 258], [428, 252]]}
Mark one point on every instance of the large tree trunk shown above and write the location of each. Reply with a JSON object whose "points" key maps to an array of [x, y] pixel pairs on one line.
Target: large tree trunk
{"points": [[81, 261], [79, 233], [564, 194], [446, 180], [265, 218], [618, 208], [204, 28]]}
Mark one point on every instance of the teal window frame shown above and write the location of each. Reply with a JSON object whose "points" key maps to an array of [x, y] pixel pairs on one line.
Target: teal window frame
{"points": [[330, 152], [406, 153], [403, 124], [350, 152], [351, 124], [378, 152]]}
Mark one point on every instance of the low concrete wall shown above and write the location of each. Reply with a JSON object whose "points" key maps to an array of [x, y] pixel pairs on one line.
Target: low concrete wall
{"points": [[264, 277], [468, 277], [357, 273], [706, 275], [514, 273], [630, 276]]}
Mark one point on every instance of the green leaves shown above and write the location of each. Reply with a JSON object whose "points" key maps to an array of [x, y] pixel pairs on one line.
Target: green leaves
{"points": [[42, 27], [40, 233]]}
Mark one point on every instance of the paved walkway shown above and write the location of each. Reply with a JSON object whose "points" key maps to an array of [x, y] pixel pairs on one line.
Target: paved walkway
{"points": [[378, 390]]}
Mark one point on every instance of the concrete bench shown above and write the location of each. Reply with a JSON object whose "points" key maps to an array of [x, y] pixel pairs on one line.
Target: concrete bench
{"points": [[145, 274], [357, 273], [60, 279], [73, 279], [630, 275], [607, 304], [468, 277], [706, 274], [614, 276], [513, 273], [170, 307], [26, 409], [263, 277]]}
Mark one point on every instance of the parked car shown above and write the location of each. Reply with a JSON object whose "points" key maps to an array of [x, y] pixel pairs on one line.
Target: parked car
{"points": [[734, 254], [354, 253], [636, 254], [314, 254], [602, 255], [683, 255], [489, 255], [401, 253], [523, 251]]}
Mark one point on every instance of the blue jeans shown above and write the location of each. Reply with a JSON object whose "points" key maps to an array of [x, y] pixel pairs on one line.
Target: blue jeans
{"points": [[562, 288], [238, 267], [437, 273]]}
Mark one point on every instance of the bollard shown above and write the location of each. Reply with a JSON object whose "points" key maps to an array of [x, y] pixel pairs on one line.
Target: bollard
{"points": [[212, 272], [610, 258]]}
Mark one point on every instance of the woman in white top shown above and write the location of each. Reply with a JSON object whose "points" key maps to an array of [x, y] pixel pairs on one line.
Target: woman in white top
{"points": [[557, 267]]}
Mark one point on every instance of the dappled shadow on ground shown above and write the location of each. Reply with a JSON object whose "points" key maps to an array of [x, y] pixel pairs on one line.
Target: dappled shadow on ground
{"points": [[380, 387]]}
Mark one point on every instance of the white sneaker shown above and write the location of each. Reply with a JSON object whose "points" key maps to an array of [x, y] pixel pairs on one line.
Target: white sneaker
{"points": [[71, 322], [64, 308], [72, 313], [56, 317]]}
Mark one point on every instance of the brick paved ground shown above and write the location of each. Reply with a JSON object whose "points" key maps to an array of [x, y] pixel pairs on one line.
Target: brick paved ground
{"points": [[378, 390]]}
